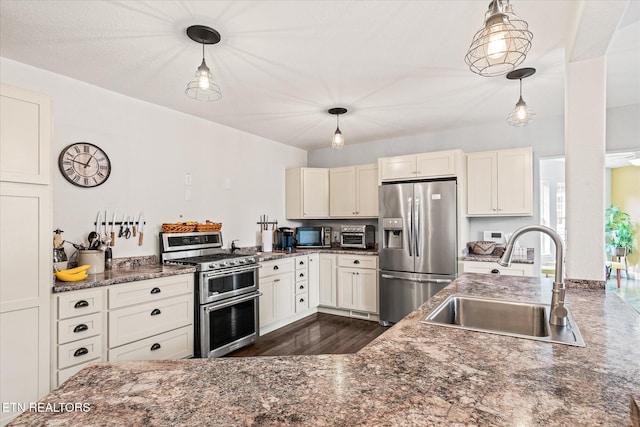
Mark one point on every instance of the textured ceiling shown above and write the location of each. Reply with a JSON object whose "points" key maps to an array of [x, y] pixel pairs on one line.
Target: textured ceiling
{"points": [[397, 66]]}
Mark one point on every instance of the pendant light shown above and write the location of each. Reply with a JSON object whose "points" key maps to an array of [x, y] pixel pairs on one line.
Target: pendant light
{"points": [[522, 114], [338, 140], [501, 44], [203, 87]]}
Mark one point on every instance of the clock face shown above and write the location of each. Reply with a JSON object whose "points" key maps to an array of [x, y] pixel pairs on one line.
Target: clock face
{"points": [[84, 164]]}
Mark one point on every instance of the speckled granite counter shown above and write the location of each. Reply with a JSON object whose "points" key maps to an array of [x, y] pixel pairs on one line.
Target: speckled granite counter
{"points": [[268, 256], [123, 275], [413, 374]]}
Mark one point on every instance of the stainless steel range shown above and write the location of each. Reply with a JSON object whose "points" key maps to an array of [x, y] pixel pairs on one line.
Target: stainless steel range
{"points": [[226, 291]]}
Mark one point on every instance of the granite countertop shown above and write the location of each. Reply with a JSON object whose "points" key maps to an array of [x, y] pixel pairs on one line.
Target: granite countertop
{"points": [[123, 274], [413, 374], [268, 256]]}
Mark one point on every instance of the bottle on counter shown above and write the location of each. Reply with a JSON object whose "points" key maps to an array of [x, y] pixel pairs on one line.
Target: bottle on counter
{"points": [[108, 258]]}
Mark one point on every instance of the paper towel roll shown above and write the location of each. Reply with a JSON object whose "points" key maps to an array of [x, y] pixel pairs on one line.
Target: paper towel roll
{"points": [[267, 241]]}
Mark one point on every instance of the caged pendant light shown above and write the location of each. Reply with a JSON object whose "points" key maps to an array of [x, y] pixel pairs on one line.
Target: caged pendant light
{"points": [[522, 114], [338, 140], [501, 44], [203, 87]]}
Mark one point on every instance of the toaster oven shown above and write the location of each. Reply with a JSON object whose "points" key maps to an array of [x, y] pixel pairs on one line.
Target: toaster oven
{"points": [[357, 236]]}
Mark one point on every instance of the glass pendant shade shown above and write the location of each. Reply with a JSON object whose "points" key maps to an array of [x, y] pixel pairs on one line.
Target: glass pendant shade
{"points": [[338, 140], [501, 44], [202, 87], [521, 115]]}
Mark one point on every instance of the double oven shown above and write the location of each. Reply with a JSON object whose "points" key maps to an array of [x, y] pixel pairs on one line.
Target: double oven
{"points": [[226, 291]]}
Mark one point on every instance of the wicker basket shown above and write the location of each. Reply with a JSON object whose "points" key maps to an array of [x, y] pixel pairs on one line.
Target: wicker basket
{"points": [[178, 228], [212, 226]]}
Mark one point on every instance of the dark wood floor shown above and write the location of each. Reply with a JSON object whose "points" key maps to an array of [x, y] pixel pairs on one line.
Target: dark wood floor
{"points": [[319, 333]]}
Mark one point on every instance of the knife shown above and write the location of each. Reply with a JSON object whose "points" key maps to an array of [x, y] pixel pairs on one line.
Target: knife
{"points": [[121, 230], [140, 228], [113, 228], [135, 225]]}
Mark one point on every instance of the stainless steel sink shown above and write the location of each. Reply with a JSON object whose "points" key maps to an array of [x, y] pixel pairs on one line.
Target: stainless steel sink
{"points": [[512, 318]]}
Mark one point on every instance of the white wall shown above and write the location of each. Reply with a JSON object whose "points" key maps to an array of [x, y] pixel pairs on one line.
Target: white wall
{"points": [[151, 149]]}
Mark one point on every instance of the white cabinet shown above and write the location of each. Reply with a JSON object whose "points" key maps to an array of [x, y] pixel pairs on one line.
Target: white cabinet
{"points": [[328, 291], [314, 280], [302, 283], [495, 268], [25, 132], [353, 191], [500, 183], [358, 283], [151, 319], [424, 165], [79, 331], [25, 247], [307, 193], [277, 284]]}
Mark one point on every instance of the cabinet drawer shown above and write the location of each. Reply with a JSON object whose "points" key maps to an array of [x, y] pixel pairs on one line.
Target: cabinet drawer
{"points": [[302, 302], [74, 304], [133, 323], [495, 268], [79, 327], [301, 262], [79, 352], [302, 287], [358, 261], [280, 266], [301, 276], [149, 290], [65, 374], [176, 344]]}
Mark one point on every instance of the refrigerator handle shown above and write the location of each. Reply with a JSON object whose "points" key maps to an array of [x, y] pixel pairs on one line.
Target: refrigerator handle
{"points": [[410, 223], [417, 220], [390, 276]]}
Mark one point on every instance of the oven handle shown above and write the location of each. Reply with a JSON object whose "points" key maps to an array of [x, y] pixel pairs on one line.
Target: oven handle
{"points": [[233, 301], [232, 271]]}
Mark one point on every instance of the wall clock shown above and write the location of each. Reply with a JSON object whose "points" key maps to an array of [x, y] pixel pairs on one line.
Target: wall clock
{"points": [[84, 164]]}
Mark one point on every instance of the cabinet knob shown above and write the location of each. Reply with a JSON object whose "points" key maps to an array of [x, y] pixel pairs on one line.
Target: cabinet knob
{"points": [[301, 275], [155, 346], [495, 271], [356, 261], [80, 352], [301, 286], [80, 328], [155, 312], [275, 267], [155, 291], [301, 262], [81, 304], [301, 299], [276, 280]]}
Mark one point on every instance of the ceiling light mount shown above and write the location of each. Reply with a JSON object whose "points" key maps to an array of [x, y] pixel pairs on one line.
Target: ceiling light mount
{"points": [[337, 142], [501, 44], [203, 87], [522, 114]]}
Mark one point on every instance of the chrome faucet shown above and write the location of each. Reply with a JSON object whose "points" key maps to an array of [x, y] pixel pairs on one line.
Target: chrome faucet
{"points": [[558, 314]]}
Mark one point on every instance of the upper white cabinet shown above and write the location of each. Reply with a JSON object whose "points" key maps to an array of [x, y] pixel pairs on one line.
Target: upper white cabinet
{"points": [[417, 166], [353, 191], [307, 193], [25, 247], [26, 136], [500, 183]]}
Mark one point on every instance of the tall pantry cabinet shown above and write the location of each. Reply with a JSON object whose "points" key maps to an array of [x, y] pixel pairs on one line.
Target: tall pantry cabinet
{"points": [[25, 248]]}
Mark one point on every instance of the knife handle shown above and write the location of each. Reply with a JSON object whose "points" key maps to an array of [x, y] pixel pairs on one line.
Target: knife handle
{"points": [[140, 237], [135, 230], [113, 239]]}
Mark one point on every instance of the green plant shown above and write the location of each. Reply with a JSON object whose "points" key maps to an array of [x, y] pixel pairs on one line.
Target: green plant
{"points": [[618, 230]]}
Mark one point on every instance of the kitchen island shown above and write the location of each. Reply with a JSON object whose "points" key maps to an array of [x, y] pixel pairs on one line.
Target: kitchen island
{"points": [[413, 374]]}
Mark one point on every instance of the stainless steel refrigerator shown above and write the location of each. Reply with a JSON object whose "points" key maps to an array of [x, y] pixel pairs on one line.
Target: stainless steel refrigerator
{"points": [[418, 253]]}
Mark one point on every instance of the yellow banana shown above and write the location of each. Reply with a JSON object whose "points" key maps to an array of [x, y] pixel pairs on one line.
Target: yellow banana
{"points": [[71, 277], [76, 270]]}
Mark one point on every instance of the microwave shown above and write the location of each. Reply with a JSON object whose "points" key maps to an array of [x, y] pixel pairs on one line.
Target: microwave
{"points": [[357, 236], [313, 237]]}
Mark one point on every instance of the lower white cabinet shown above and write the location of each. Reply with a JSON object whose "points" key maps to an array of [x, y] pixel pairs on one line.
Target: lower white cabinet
{"points": [[328, 284], [495, 268], [144, 320], [277, 284], [358, 283], [79, 331]]}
